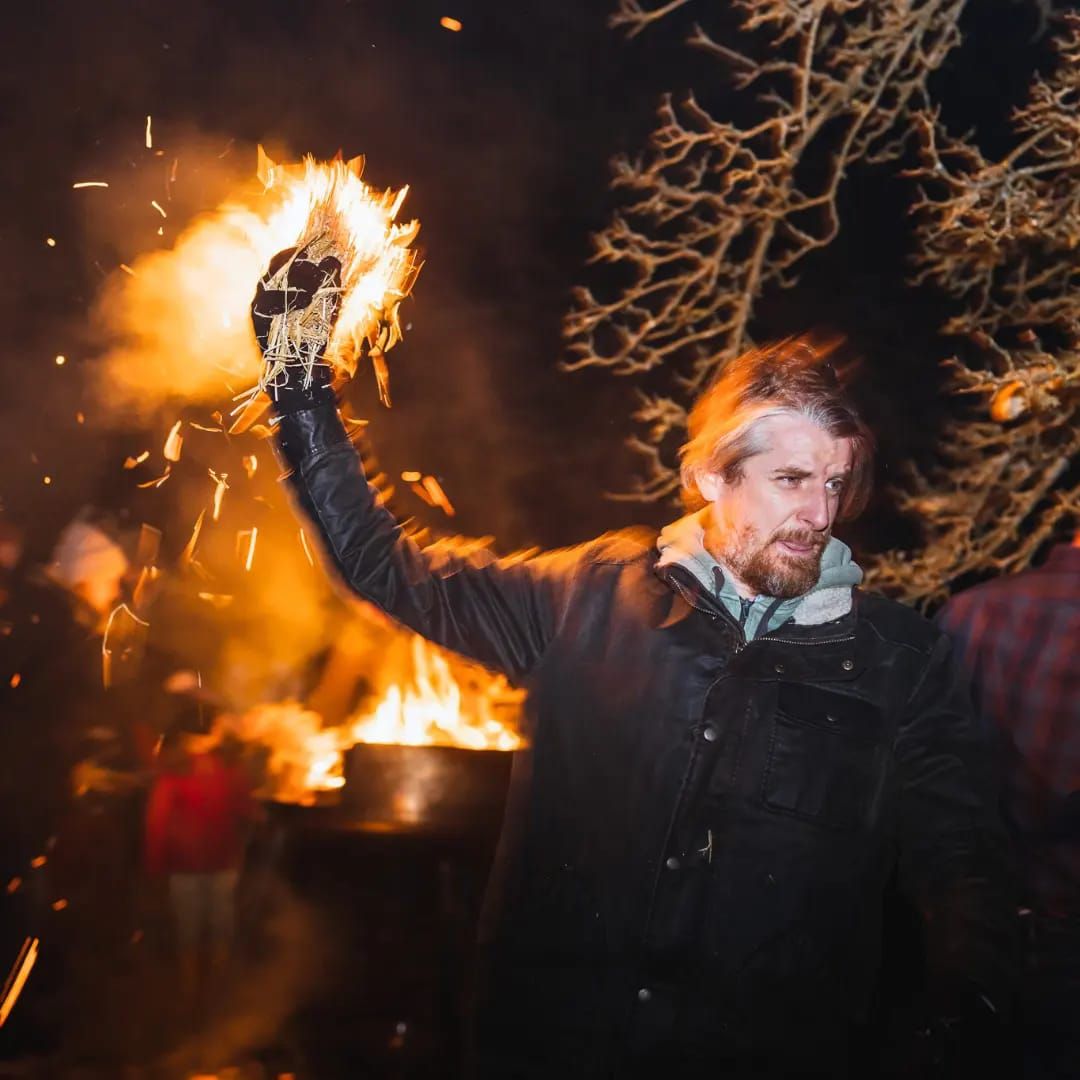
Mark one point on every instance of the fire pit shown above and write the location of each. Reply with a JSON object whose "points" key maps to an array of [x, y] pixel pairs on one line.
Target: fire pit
{"points": [[424, 788]]}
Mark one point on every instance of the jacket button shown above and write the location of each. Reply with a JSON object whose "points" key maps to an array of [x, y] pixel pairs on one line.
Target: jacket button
{"points": [[644, 994], [709, 734], [847, 665], [830, 718], [778, 668], [673, 862]]}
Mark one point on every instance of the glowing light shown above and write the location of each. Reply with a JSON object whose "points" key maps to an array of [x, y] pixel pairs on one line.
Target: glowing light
{"points": [[158, 207], [106, 651], [251, 547], [447, 22], [89, 184], [149, 135], [61, 361], [221, 486], [80, 418], [174, 443], [50, 241], [127, 269], [59, 905], [410, 476], [46, 480], [189, 548], [304, 545], [14, 680], [132, 462], [438, 496], [38, 861], [24, 964]]}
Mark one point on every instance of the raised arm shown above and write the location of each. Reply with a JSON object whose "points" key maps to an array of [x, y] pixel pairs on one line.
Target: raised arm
{"points": [[501, 613]]}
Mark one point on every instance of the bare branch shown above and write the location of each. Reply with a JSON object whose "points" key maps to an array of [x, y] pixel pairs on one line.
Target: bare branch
{"points": [[716, 213]]}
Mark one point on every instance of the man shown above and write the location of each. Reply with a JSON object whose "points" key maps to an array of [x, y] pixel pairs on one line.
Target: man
{"points": [[730, 750], [1016, 637]]}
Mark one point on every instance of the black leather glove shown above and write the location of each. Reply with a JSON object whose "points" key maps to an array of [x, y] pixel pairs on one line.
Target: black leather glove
{"points": [[307, 296]]}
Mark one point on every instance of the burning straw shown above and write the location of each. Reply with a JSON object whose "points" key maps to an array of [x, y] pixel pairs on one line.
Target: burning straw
{"points": [[328, 212]]}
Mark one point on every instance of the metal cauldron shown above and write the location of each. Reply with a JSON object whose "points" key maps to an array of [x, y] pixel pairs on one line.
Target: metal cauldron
{"points": [[442, 789]]}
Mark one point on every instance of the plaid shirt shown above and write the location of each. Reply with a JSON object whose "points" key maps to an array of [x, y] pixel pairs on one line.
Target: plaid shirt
{"points": [[1018, 637]]}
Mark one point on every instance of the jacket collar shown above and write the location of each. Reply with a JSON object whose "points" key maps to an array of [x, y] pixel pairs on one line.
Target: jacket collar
{"points": [[682, 544]]}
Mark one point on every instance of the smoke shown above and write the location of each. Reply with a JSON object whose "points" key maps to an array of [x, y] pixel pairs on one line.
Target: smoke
{"points": [[180, 320], [289, 956]]}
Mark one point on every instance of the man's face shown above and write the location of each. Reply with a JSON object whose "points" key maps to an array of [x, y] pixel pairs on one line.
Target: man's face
{"points": [[769, 527]]}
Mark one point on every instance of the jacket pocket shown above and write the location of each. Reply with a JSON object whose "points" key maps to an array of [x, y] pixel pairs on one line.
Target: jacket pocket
{"points": [[823, 757]]}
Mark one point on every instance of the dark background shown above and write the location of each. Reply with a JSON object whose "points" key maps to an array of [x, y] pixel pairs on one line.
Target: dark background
{"points": [[504, 131]]}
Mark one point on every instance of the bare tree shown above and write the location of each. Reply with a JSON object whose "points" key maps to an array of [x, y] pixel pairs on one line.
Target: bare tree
{"points": [[1001, 239], [717, 212]]}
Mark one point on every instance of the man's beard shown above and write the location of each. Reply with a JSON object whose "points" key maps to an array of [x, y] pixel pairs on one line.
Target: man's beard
{"points": [[768, 569]]}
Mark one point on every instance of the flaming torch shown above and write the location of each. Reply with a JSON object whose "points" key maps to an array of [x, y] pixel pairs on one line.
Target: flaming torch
{"points": [[360, 264]]}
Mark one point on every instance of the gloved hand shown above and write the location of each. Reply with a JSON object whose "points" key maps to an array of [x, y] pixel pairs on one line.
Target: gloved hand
{"points": [[306, 293]]}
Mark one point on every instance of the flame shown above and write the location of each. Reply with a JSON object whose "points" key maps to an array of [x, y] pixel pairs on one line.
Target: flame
{"points": [[327, 203], [305, 757], [161, 352], [429, 711], [425, 708]]}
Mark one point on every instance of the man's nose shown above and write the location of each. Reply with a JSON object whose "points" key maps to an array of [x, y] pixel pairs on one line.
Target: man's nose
{"points": [[814, 512]]}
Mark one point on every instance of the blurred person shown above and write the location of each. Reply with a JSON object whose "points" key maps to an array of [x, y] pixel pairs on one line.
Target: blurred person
{"points": [[1017, 638], [198, 813], [732, 747]]}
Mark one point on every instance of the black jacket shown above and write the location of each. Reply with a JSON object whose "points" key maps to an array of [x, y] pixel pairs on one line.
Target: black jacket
{"points": [[697, 843]]}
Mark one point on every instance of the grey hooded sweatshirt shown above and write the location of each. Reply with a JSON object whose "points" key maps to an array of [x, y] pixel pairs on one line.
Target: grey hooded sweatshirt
{"points": [[682, 543]]}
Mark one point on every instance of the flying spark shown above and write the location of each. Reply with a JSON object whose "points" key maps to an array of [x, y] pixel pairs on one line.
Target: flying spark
{"points": [[304, 545], [447, 22], [251, 547], [222, 485], [24, 964], [174, 443], [149, 135], [89, 183]]}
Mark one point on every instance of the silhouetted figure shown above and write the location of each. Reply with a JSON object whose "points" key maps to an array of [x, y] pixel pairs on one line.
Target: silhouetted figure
{"points": [[197, 818], [1019, 639]]}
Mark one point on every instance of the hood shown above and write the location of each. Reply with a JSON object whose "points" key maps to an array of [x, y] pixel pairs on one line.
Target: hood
{"points": [[682, 543]]}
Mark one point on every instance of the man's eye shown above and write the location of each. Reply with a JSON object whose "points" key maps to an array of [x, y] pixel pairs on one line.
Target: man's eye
{"points": [[789, 480], [835, 486]]}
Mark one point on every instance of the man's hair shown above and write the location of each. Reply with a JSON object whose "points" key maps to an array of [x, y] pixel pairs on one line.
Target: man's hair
{"points": [[787, 377]]}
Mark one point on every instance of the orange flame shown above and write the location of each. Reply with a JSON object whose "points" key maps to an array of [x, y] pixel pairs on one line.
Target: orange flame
{"points": [[161, 352], [428, 707], [379, 268], [432, 711]]}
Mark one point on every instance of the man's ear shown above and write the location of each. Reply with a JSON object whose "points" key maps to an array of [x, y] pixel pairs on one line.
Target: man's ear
{"points": [[709, 484]]}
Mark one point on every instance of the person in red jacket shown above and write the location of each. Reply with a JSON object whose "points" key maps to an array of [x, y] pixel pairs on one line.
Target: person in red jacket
{"points": [[197, 818]]}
